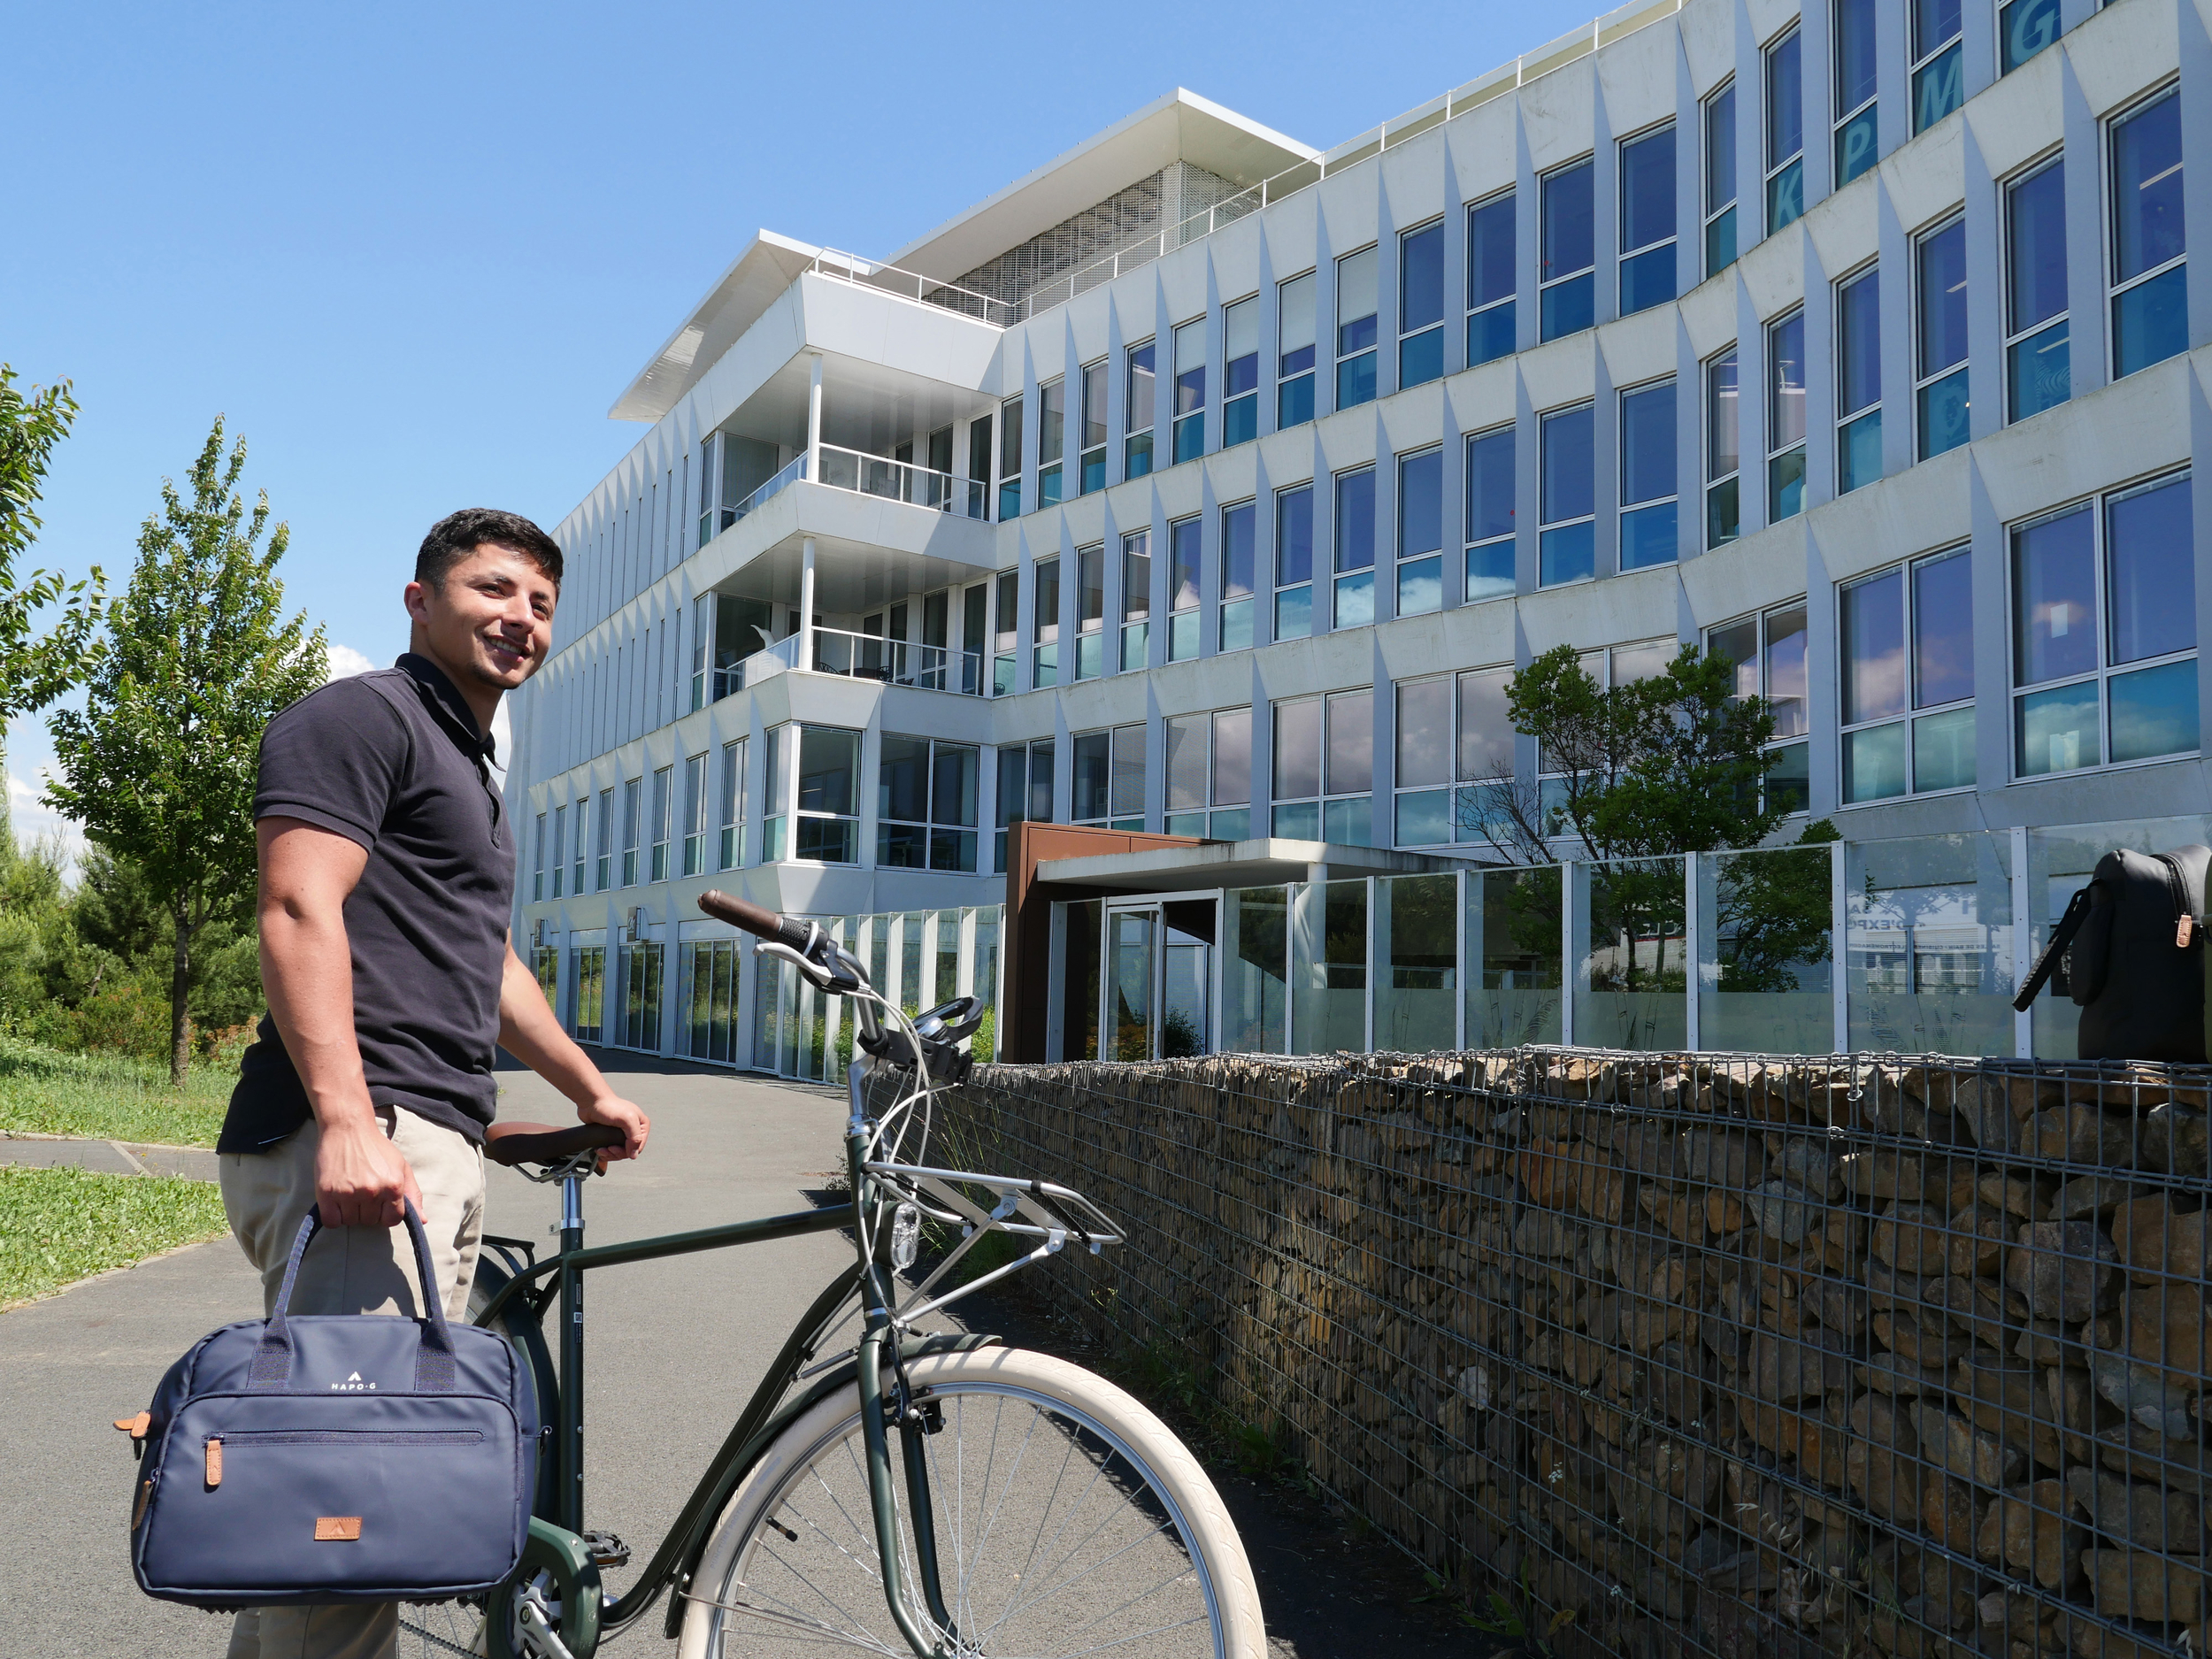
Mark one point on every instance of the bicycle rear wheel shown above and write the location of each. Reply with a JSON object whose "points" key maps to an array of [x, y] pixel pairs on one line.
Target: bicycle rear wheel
{"points": [[1069, 1521]]}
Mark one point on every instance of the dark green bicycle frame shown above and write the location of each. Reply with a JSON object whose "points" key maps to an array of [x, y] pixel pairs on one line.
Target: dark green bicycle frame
{"points": [[561, 1499]]}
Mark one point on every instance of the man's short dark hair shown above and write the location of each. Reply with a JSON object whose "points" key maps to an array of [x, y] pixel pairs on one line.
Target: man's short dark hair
{"points": [[454, 537]]}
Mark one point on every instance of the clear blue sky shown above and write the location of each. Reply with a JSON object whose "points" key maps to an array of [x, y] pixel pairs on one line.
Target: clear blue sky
{"points": [[414, 252]]}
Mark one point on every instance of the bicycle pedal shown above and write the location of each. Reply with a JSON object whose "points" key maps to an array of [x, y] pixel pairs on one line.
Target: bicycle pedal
{"points": [[607, 1550]]}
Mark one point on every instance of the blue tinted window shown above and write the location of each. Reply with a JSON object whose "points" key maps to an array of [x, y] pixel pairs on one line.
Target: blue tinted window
{"points": [[2035, 231], [1490, 252], [1647, 190], [1859, 343], [1786, 102], [1943, 299], [1570, 490], [2150, 578], [1421, 502], [1421, 279], [2146, 229], [1854, 54], [1569, 229], [1294, 536], [1490, 485], [1648, 448], [1355, 520]]}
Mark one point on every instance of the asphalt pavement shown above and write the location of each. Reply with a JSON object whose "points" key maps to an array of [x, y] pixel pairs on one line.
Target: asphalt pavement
{"points": [[674, 1350]]}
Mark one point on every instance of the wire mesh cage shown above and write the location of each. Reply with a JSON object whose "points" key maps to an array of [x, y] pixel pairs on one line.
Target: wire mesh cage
{"points": [[1694, 1354]]}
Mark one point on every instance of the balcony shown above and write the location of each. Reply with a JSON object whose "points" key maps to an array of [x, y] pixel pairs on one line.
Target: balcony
{"points": [[903, 480], [861, 656]]}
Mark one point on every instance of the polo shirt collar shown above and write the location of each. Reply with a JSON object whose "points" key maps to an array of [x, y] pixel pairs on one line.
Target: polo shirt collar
{"points": [[445, 700]]}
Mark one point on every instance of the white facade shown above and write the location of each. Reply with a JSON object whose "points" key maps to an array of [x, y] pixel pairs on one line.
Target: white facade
{"points": [[829, 440]]}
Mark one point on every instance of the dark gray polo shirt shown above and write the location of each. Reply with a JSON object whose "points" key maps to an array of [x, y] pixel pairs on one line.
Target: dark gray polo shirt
{"points": [[393, 761]]}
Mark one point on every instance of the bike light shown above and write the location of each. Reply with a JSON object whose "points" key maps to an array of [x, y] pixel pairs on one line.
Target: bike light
{"points": [[906, 1236]]}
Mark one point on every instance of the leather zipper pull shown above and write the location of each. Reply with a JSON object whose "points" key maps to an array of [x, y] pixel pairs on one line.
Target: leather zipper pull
{"points": [[2183, 930], [214, 1462]]}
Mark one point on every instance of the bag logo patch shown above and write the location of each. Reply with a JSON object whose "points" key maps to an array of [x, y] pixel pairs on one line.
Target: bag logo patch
{"points": [[337, 1528], [353, 1385]]}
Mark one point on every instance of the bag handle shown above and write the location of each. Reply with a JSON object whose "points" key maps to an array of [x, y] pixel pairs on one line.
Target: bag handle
{"points": [[2062, 936], [271, 1365]]}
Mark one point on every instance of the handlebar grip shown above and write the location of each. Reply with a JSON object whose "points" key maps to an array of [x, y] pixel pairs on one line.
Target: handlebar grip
{"points": [[741, 913]]}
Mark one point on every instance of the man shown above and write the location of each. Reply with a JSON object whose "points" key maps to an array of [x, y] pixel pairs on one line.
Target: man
{"points": [[388, 870]]}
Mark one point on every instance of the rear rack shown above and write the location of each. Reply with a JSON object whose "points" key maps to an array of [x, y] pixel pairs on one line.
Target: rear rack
{"points": [[1020, 1206]]}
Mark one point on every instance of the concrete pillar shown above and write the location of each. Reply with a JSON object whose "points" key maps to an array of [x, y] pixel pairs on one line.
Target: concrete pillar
{"points": [[814, 416], [806, 595]]}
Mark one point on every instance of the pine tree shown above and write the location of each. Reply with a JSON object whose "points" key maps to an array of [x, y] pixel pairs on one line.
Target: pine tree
{"points": [[160, 766]]}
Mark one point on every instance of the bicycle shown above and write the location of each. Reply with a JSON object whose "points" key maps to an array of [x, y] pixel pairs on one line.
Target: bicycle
{"points": [[939, 1496]]}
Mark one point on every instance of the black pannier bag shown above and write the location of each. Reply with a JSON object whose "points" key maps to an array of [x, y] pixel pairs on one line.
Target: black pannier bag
{"points": [[2130, 951]]}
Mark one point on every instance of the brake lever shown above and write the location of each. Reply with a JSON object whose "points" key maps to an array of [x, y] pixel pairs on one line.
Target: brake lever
{"points": [[831, 980]]}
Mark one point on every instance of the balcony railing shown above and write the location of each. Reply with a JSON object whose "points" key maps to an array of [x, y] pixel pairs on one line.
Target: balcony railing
{"points": [[903, 480], [863, 656]]}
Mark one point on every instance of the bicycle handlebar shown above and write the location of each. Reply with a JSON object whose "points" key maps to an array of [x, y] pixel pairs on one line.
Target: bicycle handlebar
{"points": [[752, 918]]}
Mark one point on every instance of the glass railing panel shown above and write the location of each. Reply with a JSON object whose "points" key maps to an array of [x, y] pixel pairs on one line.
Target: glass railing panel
{"points": [[1633, 979], [1928, 965], [901, 480], [1416, 954], [1329, 969], [1513, 956], [1766, 927], [2061, 860], [1255, 969]]}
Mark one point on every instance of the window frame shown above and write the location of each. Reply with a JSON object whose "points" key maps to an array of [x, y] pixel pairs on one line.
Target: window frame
{"points": [[1913, 713], [730, 847], [1009, 460], [1050, 468], [1350, 582], [694, 811], [537, 865], [1344, 802], [2099, 506], [801, 815], [1189, 431], [1862, 422], [603, 849], [2116, 288], [1924, 64], [1016, 804], [1218, 817], [1238, 626], [956, 837], [1184, 641], [1489, 319], [560, 830], [1421, 349], [1926, 382], [1548, 528], [1863, 114], [1718, 218], [1722, 489], [1778, 455], [1784, 177], [1136, 600], [1462, 785], [633, 812], [1281, 588], [1240, 409], [1118, 742], [662, 804], [1560, 283], [1405, 564], [1482, 546], [1138, 403], [1650, 506], [1044, 622], [2007, 11], [1762, 621], [2019, 341], [1362, 388], [1090, 630], [1293, 401], [1091, 457], [1648, 254]]}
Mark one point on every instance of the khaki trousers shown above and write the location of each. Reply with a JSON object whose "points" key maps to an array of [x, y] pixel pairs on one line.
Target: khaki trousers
{"points": [[351, 1270]]}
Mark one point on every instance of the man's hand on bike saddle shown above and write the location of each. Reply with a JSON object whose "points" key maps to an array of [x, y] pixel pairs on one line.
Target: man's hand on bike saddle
{"points": [[612, 1126], [831, 969]]}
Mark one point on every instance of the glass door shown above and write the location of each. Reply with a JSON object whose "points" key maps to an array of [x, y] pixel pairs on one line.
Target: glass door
{"points": [[1157, 987], [1132, 988]]}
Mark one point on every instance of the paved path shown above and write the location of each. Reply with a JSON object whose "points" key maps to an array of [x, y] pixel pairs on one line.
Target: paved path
{"points": [[676, 1349], [109, 1158]]}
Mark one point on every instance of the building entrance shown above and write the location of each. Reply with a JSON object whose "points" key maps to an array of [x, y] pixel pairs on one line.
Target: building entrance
{"points": [[1156, 978]]}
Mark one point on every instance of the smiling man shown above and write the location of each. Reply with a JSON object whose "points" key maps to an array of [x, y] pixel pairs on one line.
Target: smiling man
{"points": [[388, 871]]}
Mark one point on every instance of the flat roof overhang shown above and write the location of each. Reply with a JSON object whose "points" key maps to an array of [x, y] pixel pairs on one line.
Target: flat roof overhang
{"points": [[1260, 863]]}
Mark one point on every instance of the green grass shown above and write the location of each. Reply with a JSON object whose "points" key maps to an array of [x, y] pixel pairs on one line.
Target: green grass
{"points": [[108, 1097], [59, 1225]]}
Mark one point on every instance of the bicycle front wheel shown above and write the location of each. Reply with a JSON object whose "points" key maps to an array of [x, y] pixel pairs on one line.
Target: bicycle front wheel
{"points": [[1069, 1521]]}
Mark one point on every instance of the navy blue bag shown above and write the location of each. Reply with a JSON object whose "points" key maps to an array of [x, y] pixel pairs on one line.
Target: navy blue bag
{"points": [[316, 1459]]}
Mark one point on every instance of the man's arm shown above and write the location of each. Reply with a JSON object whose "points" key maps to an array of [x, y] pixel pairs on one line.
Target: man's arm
{"points": [[528, 1031], [307, 972]]}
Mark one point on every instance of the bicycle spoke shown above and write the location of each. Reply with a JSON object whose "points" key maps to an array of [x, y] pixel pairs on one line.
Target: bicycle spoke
{"points": [[1022, 1577]]}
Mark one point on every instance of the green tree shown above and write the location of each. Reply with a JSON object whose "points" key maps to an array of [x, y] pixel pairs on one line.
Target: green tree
{"points": [[35, 669], [159, 765]]}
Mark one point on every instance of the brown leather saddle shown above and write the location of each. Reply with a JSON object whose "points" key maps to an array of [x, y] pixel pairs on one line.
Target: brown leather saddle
{"points": [[513, 1143]]}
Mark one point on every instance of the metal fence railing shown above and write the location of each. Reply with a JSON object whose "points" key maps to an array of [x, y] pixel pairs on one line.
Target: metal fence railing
{"points": [[1687, 1354]]}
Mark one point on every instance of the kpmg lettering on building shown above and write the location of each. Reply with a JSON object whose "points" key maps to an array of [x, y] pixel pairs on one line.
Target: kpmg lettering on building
{"points": [[1857, 350]]}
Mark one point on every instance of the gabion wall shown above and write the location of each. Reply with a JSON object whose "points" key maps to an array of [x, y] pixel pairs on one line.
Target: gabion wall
{"points": [[1730, 1355]]}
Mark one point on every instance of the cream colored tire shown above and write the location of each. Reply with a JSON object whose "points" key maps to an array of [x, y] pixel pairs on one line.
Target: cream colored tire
{"points": [[1069, 1519]]}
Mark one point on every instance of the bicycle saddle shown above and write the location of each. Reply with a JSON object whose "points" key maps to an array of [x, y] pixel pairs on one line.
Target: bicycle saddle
{"points": [[510, 1144]]}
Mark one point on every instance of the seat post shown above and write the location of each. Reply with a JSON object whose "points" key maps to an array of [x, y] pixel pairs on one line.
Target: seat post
{"points": [[570, 1452]]}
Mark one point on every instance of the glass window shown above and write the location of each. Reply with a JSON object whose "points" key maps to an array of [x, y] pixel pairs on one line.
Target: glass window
{"points": [[537, 861], [633, 802], [1190, 389], [1647, 476], [1294, 367], [1093, 776], [1024, 792], [664, 787], [1647, 221], [1090, 612], [1785, 417], [1294, 563], [2150, 300], [1231, 819], [1492, 273], [603, 849], [1720, 179], [1240, 373], [1937, 60], [1856, 139], [2132, 694], [1420, 533], [1239, 539], [1785, 131], [1010, 459], [1185, 738], [1858, 380], [1209, 774], [1942, 387], [1490, 484], [1421, 305], [1045, 626], [1354, 548], [1566, 544], [1052, 413], [1185, 579], [1137, 413], [2038, 367], [1567, 297], [1136, 600], [731, 816], [1356, 305], [2025, 27], [695, 815], [1769, 654], [1093, 474], [560, 830], [829, 824], [1424, 773], [1723, 520], [1324, 768], [1125, 792], [1005, 633], [927, 804]]}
